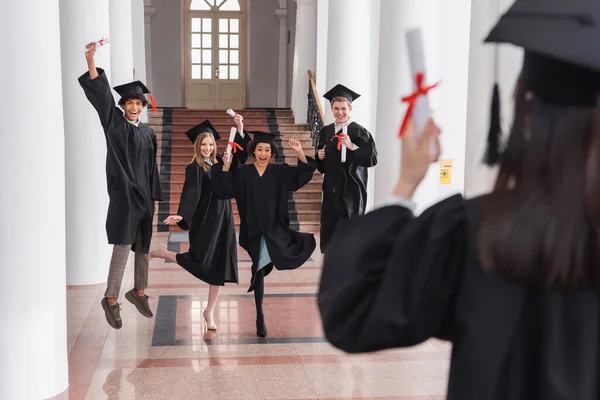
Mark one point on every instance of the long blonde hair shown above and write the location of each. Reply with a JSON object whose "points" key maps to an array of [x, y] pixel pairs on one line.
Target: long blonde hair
{"points": [[198, 158]]}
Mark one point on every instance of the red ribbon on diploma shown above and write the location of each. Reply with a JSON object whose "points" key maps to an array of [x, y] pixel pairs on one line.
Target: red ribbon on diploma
{"points": [[101, 41], [340, 136], [411, 99], [235, 146]]}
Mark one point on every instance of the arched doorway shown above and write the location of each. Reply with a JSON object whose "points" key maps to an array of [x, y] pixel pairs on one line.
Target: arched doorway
{"points": [[215, 56]]}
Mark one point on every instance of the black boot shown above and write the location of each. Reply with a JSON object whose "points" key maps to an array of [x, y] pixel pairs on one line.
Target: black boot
{"points": [[261, 328]]}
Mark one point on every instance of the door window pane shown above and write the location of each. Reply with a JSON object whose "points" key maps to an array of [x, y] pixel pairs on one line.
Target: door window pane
{"points": [[196, 25], [195, 40], [223, 72], [234, 25], [223, 56], [234, 41], [206, 72], [196, 72], [206, 40], [223, 25], [223, 41], [230, 5], [234, 57], [233, 72], [200, 5], [196, 59], [206, 25], [206, 56]]}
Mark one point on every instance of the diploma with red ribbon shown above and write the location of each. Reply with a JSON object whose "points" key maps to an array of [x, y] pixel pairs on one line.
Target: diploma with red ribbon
{"points": [[231, 113], [231, 144], [418, 102], [101, 42], [340, 146]]}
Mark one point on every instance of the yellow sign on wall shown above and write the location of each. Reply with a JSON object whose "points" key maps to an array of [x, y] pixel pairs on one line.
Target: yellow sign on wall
{"points": [[445, 176], [446, 171]]}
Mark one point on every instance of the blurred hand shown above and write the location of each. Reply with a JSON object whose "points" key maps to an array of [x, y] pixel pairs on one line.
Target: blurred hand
{"points": [[173, 219], [296, 145], [418, 151], [91, 50], [321, 154]]}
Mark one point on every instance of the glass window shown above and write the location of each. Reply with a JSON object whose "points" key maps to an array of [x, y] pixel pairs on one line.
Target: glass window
{"points": [[206, 25], [234, 57], [206, 40], [206, 72], [223, 72], [200, 5], [234, 72], [230, 5], [223, 28], [206, 56], [234, 25], [196, 40], [234, 41], [223, 41], [223, 56], [196, 72], [196, 59], [196, 25]]}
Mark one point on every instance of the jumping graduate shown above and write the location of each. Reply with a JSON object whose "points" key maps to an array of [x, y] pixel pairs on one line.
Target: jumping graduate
{"points": [[212, 256], [132, 180], [344, 183], [261, 191]]}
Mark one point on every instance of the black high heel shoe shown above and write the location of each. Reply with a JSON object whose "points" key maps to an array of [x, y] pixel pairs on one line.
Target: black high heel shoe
{"points": [[261, 328]]}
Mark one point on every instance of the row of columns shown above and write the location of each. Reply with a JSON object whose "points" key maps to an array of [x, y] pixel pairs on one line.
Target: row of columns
{"points": [[53, 200], [365, 49]]}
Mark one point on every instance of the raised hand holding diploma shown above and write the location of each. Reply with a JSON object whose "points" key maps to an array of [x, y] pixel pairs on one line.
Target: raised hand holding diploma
{"points": [[99, 43], [344, 146]]}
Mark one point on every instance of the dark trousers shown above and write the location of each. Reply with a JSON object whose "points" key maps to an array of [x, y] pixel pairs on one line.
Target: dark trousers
{"points": [[332, 212]]}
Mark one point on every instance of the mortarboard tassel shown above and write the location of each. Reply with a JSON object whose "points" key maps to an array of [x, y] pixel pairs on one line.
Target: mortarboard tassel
{"points": [[492, 154], [153, 102]]}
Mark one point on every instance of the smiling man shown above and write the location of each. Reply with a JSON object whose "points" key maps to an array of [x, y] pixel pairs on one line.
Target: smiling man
{"points": [[344, 183], [132, 180]]}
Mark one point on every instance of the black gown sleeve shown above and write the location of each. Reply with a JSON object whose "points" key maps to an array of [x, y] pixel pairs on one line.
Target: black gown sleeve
{"points": [[156, 189], [100, 96], [389, 279], [223, 182], [296, 177], [190, 196], [241, 156], [366, 154], [320, 144]]}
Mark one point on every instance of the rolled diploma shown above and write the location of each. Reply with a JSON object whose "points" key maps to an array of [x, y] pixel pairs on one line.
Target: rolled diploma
{"points": [[231, 113], [231, 139], [101, 42], [345, 132]]}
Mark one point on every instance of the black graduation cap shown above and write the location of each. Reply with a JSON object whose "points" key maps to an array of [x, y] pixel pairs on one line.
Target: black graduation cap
{"points": [[135, 87], [561, 63], [341, 91], [263, 137], [205, 126]]}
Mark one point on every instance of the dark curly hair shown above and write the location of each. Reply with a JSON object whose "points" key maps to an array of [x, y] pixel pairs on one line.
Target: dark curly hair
{"points": [[133, 96], [252, 146]]}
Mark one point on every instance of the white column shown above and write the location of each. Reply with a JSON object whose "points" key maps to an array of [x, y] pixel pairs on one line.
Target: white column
{"points": [[487, 64], [322, 33], [121, 46], [139, 47], [149, 12], [349, 51], [281, 14], [446, 61], [305, 53], [88, 252], [33, 337]]}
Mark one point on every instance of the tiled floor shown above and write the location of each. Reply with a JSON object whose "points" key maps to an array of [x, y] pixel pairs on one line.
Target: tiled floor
{"points": [[171, 356]]}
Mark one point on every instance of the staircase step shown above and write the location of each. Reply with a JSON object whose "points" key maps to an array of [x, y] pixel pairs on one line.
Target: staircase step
{"points": [[246, 113]]}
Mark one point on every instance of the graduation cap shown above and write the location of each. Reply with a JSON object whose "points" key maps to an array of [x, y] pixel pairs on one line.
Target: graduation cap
{"points": [[263, 137], [341, 91], [561, 63], [135, 87], [197, 130]]}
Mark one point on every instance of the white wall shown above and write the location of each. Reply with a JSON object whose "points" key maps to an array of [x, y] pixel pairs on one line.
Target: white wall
{"points": [[320, 73]]}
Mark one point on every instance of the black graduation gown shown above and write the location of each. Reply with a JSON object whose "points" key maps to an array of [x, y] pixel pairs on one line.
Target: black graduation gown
{"points": [[212, 256], [344, 184], [263, 207], [392, 280], [131, 170]]}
